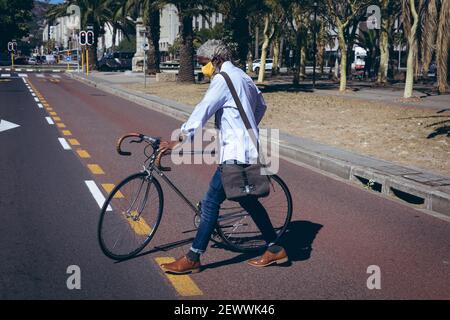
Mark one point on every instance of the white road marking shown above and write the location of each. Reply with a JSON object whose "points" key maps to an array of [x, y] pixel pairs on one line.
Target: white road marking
{"points": [[7, 69], [5, 75], [97, 194], [33, 94], [18, 69], [23, 75], [56, 76], [29, 70], [40, 75], [6, 125], [40, 106], [56, 70], [49, 120], [64, 144], [36, 99]]}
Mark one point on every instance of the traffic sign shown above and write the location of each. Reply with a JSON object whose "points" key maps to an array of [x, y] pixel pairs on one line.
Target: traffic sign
{"points": [[90, 38], [82, 38], [12, 46], [86, 38]]}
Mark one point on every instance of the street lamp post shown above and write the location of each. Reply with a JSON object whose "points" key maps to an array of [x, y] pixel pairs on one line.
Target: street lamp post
{"points": [[314, 45]]}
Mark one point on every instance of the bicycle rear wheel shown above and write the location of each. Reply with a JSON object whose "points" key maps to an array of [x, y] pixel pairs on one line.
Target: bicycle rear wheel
{"points": [[236, 227], [130, 216]]}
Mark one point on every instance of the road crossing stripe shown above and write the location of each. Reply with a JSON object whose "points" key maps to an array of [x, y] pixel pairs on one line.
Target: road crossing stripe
{"points": [[66, 132], [64, 144], [49, 120], [95, 169], [97, 194], [56, 76], [109, 187], [83, 153], [60, 125], [33, 94], [40, 106], [23, 75], [74, 142], [40, 75], [18, 69], [29, 70], [36, 99], [183, 284], [7, 69], [5, 75]]}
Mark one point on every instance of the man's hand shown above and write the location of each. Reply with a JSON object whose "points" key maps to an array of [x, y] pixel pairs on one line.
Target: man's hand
{"points": [[168, 145]]}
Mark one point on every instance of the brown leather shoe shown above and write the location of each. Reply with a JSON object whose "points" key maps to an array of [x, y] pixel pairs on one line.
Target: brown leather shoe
{"points": [[269, 258], [181, 266]]}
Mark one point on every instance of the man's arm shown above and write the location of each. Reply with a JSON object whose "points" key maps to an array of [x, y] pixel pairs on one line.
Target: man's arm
{"points": [[261, 106], [213, 100]]}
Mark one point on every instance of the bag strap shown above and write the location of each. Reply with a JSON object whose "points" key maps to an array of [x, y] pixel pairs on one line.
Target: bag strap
{"points": [[241, 110]]}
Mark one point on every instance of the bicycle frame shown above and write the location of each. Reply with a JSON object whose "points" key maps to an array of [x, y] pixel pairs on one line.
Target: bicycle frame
{"points": [[150, 168]]}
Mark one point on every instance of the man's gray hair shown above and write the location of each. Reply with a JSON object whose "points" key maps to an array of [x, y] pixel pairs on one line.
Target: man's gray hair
{"points": [[214, 49]]}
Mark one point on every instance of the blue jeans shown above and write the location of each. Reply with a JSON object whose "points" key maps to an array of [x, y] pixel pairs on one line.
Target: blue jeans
{"points": [[210, 212]]}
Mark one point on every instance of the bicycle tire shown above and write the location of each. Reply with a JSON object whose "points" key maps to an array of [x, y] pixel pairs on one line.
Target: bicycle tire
{"points": [[139, 227], [255, 242]]}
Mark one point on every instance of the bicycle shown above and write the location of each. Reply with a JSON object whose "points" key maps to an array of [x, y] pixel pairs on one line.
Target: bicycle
{"points": [[135, 207]]}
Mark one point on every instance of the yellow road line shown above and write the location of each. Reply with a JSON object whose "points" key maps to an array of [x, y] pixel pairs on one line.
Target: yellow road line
{"points": [[66, 132], [95, 169], [139, 227], [109, 187], [83, 153], [61, 125], [73, 142], [52, 113], [57, 118], [184, 285]]}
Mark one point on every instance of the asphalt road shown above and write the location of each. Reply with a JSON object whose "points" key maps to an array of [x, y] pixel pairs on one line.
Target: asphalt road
{"points": [[49, 216]]}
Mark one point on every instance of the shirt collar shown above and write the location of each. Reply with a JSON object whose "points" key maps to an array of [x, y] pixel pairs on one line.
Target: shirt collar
{"points": [[227, 65]]}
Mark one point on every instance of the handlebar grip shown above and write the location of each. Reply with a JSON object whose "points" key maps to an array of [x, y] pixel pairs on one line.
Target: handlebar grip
{"points": [[119, 143]]}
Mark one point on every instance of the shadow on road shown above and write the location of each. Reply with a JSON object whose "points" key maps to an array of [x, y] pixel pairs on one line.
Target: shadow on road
{"points": [[297, 241]]}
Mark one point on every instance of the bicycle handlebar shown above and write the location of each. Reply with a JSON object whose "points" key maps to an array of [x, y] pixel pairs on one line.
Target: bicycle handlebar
{"points": [[153, 141]]}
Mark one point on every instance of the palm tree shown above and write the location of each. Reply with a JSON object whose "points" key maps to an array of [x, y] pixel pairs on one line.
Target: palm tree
{"points": [[342, 14], [94, 14], [187, 9], [442, 46], [150, 11]]}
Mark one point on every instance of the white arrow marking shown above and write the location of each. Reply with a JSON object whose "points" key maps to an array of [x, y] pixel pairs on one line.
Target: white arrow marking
{"points": [[6, 125]]}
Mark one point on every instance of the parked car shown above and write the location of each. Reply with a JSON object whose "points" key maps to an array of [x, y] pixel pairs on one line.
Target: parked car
{"points": [[32, 61], [257, 65], [116, 61]]}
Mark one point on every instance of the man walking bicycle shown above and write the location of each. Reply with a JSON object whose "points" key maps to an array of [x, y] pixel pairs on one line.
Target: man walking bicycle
{"points": [[237, 148]]}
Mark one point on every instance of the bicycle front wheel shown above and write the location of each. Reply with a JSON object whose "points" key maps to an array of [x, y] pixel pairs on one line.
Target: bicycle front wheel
{"points": [[238, 230], [130, 216]]}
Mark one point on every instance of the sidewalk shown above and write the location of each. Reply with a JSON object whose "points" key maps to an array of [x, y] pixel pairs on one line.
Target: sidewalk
{"points": [[417, 187]]}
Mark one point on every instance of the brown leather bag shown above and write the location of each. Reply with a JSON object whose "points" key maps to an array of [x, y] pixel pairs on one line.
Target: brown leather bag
{"points": [[244, 180]]}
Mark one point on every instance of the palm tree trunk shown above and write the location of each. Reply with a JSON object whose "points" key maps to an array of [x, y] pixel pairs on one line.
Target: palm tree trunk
{"points": [[343, 66], [276, 57], [442, 47], [409, 82], [186, 72], [265, 45], [384, 42], [250, 62], [114, 39], [302, 69], [153, 54]]}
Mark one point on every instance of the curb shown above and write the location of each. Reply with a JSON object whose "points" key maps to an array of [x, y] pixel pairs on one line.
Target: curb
{"points": [[384, 177]]}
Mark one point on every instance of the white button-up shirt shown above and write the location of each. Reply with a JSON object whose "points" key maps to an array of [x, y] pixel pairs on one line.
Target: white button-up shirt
{"points": [[235, 141]]}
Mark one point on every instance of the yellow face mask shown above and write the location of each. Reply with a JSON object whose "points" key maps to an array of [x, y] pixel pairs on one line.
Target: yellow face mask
{"points": [[208, 70]]}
